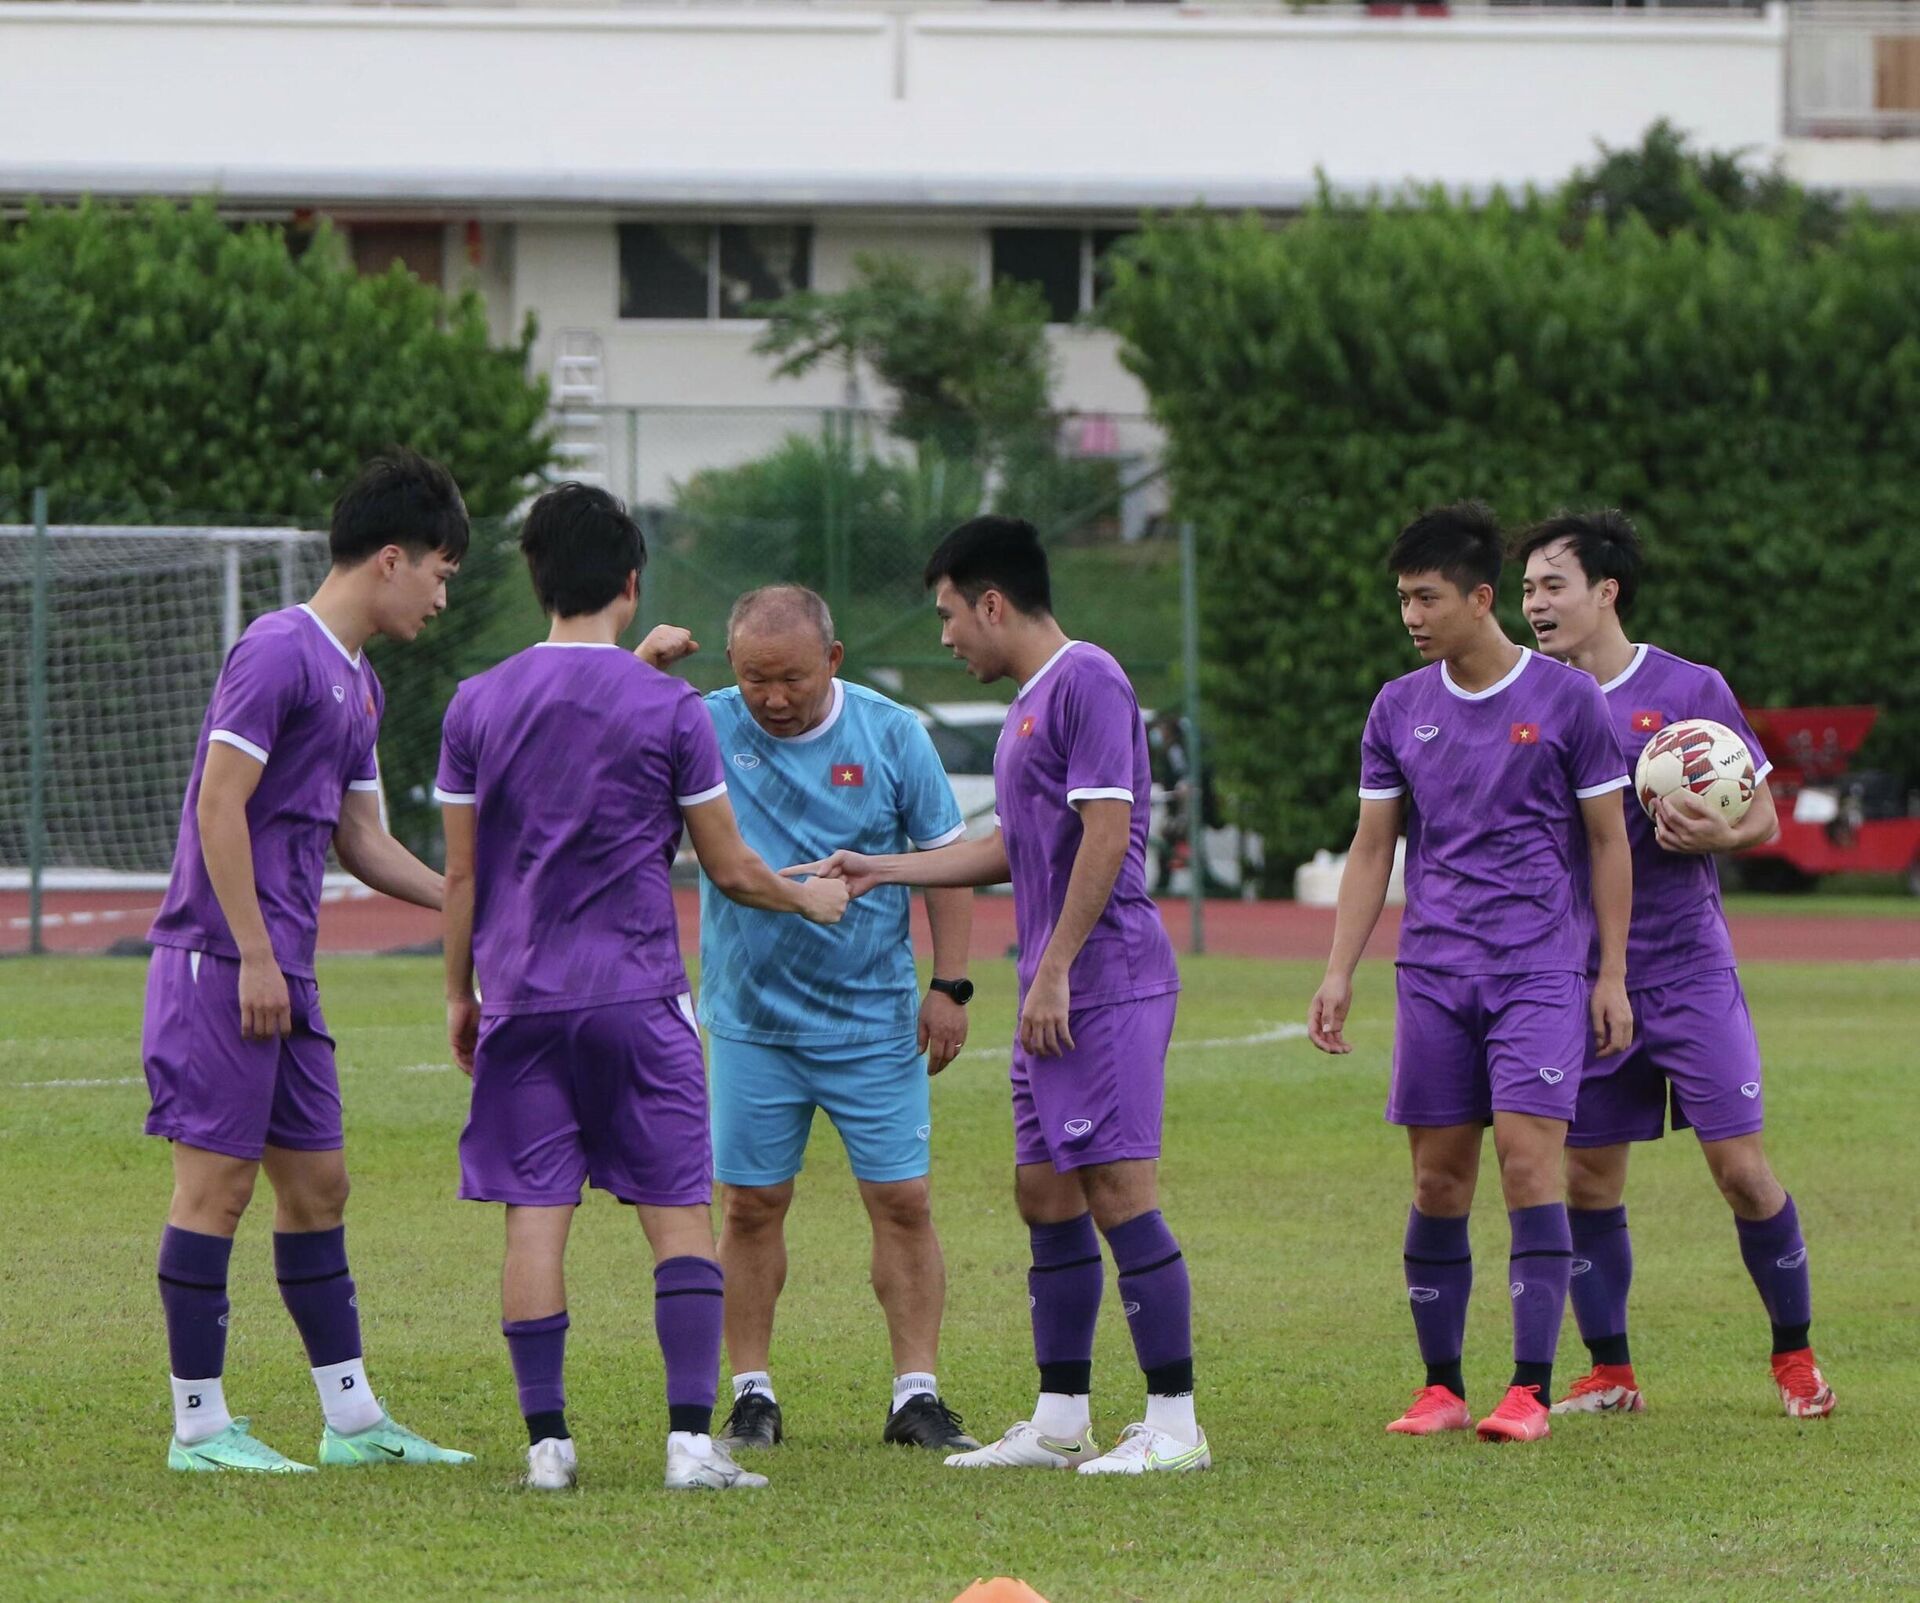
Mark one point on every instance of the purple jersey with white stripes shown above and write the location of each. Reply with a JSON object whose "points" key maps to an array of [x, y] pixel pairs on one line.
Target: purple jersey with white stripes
{"points": [[308, 711], [1074, 734], [1497, 870], [578, 760], [1679, 927]]}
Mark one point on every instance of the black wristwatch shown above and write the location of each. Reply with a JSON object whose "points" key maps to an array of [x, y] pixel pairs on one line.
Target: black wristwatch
{"points": [[960, 990]]}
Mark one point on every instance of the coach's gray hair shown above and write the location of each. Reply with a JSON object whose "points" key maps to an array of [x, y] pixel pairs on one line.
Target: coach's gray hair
{"points": [[775, 607]]}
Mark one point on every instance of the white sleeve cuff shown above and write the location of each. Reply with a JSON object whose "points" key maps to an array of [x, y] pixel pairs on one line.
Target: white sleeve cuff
{"points": [[1761, 772], [452, 798], [363, 784], [227, 737], [718, 791], [1110, 793], [938, 841], [1389, 793], [1592, 791]]}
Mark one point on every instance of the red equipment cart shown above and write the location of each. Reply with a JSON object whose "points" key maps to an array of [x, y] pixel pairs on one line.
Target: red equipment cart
{"points": [[1845, 828]]}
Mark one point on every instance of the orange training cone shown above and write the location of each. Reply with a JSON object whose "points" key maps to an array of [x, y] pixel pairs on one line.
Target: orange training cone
{"points": [[1000, 1589]]}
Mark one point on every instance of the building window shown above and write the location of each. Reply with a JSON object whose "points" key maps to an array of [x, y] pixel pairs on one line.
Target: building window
{"points": [[706, 271], [1067, 265]]}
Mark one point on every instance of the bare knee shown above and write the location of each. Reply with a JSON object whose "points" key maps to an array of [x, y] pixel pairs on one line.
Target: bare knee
{"points": [[1596, 1177], [320, 1203], [904, 1207], [756, 1210], [1046, 1198], [212, 1200], [1746, 1180]]}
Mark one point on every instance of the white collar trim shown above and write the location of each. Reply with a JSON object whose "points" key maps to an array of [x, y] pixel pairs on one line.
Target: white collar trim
{"points": [[1513, 673], [351, 656], [577, 645], [1045, 668], [819, 729], [1626, 673]]}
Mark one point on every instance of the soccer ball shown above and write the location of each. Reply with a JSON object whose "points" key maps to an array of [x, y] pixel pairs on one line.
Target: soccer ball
{"points": [[1700, 756]]}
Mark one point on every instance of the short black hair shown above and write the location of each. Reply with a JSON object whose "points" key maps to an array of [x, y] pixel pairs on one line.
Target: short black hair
{"points": [[399, 498], [1605, 544], [580, 544], [995, 553], [1460, 542]]}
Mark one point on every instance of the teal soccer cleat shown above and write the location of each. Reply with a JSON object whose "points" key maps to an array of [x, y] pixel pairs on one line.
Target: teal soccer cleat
{"points": [[384, 1443], [232, 1449]]}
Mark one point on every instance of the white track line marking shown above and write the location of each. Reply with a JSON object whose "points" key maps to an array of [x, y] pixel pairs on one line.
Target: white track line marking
{"points": [[1266, 1037]]}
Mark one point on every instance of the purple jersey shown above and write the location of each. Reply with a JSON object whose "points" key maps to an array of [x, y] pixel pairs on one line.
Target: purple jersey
{"points": [[578, 760], [1493, 780], [1678, 925], [308, 710], [1074, 734]]}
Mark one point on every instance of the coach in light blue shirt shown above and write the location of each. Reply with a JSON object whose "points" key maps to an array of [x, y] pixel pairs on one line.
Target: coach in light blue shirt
{"points": [[828, 1018]]}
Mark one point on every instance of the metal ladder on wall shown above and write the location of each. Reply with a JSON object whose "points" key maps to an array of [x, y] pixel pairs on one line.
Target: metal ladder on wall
{"points": [[579, 393]]}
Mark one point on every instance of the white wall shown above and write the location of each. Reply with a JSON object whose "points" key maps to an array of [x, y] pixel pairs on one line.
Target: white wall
{"points": [[816, 106]]}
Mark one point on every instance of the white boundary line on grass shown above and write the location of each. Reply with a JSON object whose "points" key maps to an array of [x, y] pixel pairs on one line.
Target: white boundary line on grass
{"points": [[1267, 1037]]}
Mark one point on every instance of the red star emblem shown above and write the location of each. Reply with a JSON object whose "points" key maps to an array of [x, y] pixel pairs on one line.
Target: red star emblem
{"points": [[849, 775], [1644, 723], [1026, 728], [1525, 734], [369, 703]]}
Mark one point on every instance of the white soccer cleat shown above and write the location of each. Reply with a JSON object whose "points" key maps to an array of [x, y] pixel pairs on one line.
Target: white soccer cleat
{"points": [[551, 1466], [700, 1464], [1142, 1449], [1024, 1447]]}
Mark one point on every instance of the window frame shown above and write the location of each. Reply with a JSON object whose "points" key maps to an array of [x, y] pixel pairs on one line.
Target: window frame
{"points": [[711, 317]]}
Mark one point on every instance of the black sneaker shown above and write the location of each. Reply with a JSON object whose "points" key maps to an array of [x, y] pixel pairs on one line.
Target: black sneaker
{"points": [[924, 1421], [754, 1422]]}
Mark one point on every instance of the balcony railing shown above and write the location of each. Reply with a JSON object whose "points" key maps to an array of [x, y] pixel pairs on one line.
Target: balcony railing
{"points": [[1853, 68]]}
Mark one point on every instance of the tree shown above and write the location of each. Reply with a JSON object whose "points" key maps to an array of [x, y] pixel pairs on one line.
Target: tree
{"points": [[159, 364]]}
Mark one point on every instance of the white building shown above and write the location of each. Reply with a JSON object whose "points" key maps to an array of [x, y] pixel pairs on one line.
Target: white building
{"points": [[635, 175]]}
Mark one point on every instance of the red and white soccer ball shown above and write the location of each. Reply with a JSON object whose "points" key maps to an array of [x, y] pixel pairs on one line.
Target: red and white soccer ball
{"points": [[1700, 756]]}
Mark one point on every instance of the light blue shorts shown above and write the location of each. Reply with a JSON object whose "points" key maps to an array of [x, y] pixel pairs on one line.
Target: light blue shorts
{"points": [[876, 1093]]}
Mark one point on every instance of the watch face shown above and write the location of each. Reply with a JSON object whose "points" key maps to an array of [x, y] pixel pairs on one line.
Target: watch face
{"points": [[960, 990]]}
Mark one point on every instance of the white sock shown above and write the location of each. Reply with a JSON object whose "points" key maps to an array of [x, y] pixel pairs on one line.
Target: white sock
{"points": [[346, 1398], [199, 1409], [699, 1443], [1062, 1414], [912, 1385], [758, 1379], [1173, 1416]]}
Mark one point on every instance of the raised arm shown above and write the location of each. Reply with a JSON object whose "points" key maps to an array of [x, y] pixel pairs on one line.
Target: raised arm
{"points": [[965, 862], [371, 855], [1363, 893]]}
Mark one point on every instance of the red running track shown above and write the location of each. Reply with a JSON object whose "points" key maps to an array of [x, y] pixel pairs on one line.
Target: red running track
{"points": [[93, 921]]}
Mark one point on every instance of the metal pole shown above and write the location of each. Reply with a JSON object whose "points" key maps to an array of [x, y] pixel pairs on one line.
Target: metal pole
{"points": [[37, 755], [287, 588], [633, 457], [1196, 772], [229, 598]]}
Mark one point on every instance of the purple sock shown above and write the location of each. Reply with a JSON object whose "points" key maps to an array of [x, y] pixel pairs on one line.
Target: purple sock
{"points": [[687, 1300], [538, 1348], [314, 1284], [193, 1296], [1064, 1287], [1776, 1257], [1438, 1259], [1538, 1269], [1158, 1300], [1602, 1271]]}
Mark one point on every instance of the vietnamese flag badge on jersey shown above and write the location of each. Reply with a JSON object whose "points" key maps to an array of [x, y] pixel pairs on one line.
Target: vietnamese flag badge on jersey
{"points": [[1645, 723], [849, 775], [1525, 734]]}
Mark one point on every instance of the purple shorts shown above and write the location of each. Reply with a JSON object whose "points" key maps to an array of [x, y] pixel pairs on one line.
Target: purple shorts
{"points": [[1101, 1102], [1466, 1046], [614, 1097], [213, 1088], [1693, 1046]]}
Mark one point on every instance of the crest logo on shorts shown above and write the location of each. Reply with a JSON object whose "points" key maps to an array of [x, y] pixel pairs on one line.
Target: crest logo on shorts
{"points": [[745, 761], [1517, 1290], [925, 1132], [1422, 1294], [1750, 1090], [1129, 1308], [1552, 1076], [339, 692], [1793, 1260], [1078, 1127], [1426, 732], [1581, 1266]]}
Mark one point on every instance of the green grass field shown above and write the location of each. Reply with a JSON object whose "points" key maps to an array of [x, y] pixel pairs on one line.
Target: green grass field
{"points": [[1288, 1192]]}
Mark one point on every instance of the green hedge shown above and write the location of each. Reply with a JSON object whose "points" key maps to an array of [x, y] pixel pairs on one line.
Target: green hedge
{"points": [[1753, 403]]}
